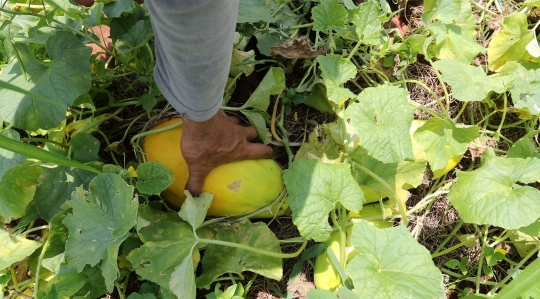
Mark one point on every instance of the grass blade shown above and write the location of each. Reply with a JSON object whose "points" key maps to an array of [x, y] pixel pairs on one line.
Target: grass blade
{"points": [[34, 152], [526, 280]]}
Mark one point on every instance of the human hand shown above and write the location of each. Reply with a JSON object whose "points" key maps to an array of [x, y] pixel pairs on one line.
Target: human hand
{"points": [[217, 141]]}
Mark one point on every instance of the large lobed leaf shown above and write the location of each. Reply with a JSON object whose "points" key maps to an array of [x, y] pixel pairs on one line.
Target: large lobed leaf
{"points": [[316, 188], [336, 70], [381, 118], [17, 189], [329, 15], [99, 218], [66, 78], [469, 83], [392, 264], [510, 43], [495, 193], [442, 140], [220, 259], [14, 248]]}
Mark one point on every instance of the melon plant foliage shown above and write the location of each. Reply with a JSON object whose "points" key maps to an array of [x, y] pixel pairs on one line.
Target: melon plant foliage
{"points": [[81, 221]]}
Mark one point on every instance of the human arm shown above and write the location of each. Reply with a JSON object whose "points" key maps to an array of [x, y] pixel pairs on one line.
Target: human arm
{"points": [[193, 41]]}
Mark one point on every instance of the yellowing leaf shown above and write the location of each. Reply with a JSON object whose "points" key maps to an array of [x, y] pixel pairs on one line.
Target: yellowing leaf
{"points": [[511, 42]]}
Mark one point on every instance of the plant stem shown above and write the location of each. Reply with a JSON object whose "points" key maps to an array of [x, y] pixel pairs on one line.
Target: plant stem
{"points": [[301, 26], [451, 235], [423, 85], [34, 229], [445, 90], [285, 135], [389, 191], [481, 261], [14, 278], [142, 134], [256, 250], [273, 121], [40, 261], [447, 250], [425, 201], [504, 110]]}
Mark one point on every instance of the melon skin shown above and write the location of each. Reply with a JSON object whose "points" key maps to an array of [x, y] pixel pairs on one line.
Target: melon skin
{"points": [[239, 188]]}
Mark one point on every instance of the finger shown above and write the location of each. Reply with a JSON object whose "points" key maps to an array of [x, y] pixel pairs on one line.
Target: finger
{"points": [[86, 3], [195, 181], [250, 133], [235, 119], [258, 151]]}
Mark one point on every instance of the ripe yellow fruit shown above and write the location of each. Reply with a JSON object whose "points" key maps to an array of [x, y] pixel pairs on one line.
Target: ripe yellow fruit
{"points": [[239, 188]]}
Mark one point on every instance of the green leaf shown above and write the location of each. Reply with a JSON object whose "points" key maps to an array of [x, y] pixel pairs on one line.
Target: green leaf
{"points": [[17, 190], [66, 284], [328, 15], [321, 294], [118, 7], [183, 279], [469, 83], [109, 266], [141, 296], [366, 17], [84, 148], [52, 293], [510, 43], [132, 30], [318, 99], [456, 42], [494, 194], [336, 70], [315, 189], [219, 259], [9, 159], [55, 186], [394, 174], [14, 249], [100, 217], [392, 265], [58, 233], [147, 101], [193, 211], [65, 79], [532, 230], [167, 242], [525, 89], [256, 119], [272, 83], [252, 11], [445, 11], [153, 178], [380, 120], [523, 148], [442, 140], [134, 36], [242, 63]]}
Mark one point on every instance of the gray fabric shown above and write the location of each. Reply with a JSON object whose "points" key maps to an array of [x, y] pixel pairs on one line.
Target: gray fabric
{"points": [[194, 40]]}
